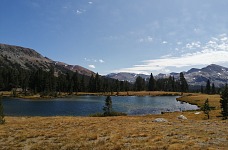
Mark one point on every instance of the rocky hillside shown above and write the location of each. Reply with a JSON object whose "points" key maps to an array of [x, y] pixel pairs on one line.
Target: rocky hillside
{"points": [[195, 77], [16, 56], [215, 73]]}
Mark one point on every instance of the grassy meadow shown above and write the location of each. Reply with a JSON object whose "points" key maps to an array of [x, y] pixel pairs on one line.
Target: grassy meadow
{"points": [[122, 132]]}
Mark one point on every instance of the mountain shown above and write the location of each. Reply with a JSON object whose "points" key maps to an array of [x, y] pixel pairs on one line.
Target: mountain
{"points": [[16, 56], [215, 73], [124, 76], [195, 77]]}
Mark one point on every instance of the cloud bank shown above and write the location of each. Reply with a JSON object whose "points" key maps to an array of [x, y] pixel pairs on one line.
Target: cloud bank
{"points": [[214, 51]]}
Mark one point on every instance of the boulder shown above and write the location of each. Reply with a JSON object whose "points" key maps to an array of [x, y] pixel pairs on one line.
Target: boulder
{"points": [[182, 117], [160, 120], [197, 113]]}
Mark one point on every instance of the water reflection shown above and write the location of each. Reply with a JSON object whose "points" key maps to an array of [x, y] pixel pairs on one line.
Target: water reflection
{"points": [[85, 105]]}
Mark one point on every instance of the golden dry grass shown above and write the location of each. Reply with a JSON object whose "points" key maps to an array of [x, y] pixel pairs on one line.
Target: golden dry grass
{"points": [[132, 132], [199, 99], [126, 132]]}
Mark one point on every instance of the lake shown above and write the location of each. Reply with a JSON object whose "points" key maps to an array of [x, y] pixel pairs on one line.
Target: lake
{"points": [[85, 105]]}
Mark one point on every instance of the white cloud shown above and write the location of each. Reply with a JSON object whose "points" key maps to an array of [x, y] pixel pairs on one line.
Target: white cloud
{"points": [[101, 61], [179, 43], [90, 3], [92, 66], [149, 39], [86, 59], [94, 60], [164, 42], [193, 45], [146, 39], [78, 12], [213, 52]]}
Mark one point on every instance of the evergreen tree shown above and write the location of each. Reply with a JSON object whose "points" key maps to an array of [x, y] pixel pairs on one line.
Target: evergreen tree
{"points": [[206, 108], [70, 82], [75, 82], [139, 84], [183, 83], [2, 120], [201, 89], [122, 86], [52, 80], [213, 91], [117, 85], [224, 103], [97, 83], [82, 84], [91, 85], [170, 84], [108, 106], [151, 84], [208, 87], [173, 84]]}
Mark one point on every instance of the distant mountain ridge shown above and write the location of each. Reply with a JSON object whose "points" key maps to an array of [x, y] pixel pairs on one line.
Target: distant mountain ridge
{"points": [[124, 76], [17, 56], [195, 77]]}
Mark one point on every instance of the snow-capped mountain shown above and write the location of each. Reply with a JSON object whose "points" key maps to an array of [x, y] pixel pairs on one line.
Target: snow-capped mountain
{"points": [[195, 77], [124, 76]]}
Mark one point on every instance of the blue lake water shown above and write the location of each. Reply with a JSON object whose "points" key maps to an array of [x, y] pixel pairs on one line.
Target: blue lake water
{"points": [[86, 105]]}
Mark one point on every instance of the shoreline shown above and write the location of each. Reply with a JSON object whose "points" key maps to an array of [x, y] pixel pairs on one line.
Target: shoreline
{"points": [[63, 95]]}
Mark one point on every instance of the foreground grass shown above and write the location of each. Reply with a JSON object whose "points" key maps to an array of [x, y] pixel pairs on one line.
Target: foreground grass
{"points": [[123, 132], [138, 132]]}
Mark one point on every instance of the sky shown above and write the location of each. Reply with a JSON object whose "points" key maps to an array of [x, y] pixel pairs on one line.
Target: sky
{"points": [[106, 36]]}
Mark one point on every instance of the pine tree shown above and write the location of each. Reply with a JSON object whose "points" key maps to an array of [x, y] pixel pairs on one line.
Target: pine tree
{"points": [[206, 108], [183, 83], [213, 91], [82, 84], [75, 82], [108, 106], [91, 85], [201, 89], [151, 84], [117, 85], [97, 83], [139, 84], [2, 120], [208, 87], [173, 84], [224, 103]]}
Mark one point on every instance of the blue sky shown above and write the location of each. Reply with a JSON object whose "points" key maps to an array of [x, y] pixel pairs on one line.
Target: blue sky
{"points": [[140, 36]]}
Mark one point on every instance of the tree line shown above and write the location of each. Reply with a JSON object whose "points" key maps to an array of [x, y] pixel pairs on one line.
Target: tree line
{"points": [[48, 81], [210, 88], [163, 84], [51, 81]]}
